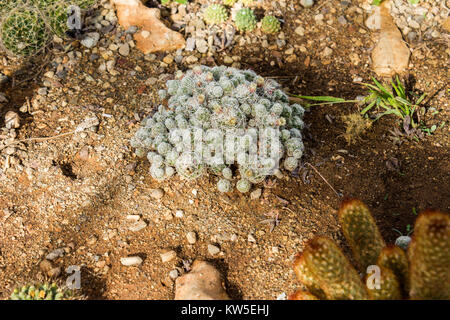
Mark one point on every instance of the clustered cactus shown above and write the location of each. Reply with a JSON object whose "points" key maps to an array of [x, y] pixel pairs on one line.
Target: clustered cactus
{"points": [[221, 98], [215, 14], [44, 291], [421, 273], [245, 19], [270, 24], [27, 25]]}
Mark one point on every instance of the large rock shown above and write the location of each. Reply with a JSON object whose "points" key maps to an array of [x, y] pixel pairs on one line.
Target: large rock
{"points": [[391, 54], [153, 35], [203, 282]]}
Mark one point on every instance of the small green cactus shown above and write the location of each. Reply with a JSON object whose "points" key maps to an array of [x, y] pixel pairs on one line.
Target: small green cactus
{"points": [[215, 14], [429, 256], [270, 24], [395, 259], [27, 26], [422, 274], [338, 279], [361, 232], [224, 185], [44, 291], [243, 185], [245, 20], [389, 287], [23, 31]]}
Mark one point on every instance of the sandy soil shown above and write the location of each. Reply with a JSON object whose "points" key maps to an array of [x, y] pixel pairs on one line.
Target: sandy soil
{"points": [[76, 191]]}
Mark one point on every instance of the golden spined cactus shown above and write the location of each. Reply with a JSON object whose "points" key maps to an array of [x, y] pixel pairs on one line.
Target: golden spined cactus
{"points": [[394, 258], [306, 277], [361, 232], [422, 273], [429, 255], [388, 287], [334, 273], [302, 295]]}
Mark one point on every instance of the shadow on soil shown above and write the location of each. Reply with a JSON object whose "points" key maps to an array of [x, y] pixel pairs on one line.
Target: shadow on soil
{"points": [[20, 86]]}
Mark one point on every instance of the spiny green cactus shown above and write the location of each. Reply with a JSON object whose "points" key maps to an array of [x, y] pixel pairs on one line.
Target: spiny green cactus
{"points": [[389, 287], [23, 31], [394, 258], [429, 255], [215, 14], [245, 20], [422, 274], [44, 291], [361, 232], [26, 25], [270, 24], [332, 270], [307, 278]]}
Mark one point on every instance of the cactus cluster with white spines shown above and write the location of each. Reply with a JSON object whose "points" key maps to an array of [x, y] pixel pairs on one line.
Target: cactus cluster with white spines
{"points": [[216, 101]]}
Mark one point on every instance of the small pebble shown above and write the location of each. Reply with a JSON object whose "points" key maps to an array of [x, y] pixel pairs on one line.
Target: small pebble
{"points": [[307, 3], [255, 194], [168, 256], [191, 237], [124, 49], [55, 254], [157, 193], [179, 214], [138, 226], [213, 250], [12, 120], [173, 274], [131, 261]]}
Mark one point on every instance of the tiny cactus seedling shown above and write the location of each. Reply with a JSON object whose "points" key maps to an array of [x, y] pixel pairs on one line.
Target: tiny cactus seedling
{"points": [[215, 14], [270, 24], [245, 20], [421, 273], [224, 185]]}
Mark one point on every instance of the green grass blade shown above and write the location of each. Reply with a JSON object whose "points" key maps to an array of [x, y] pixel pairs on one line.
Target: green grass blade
{"points": [[397, 90], [401, 88], [370, 106], [381, 87], [421, 98], [323, 98]]}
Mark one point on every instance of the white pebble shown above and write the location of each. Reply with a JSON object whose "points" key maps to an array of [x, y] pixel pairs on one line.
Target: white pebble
{"points": [[168, 256], [131, 261], [191, 237], [213, 250]]}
